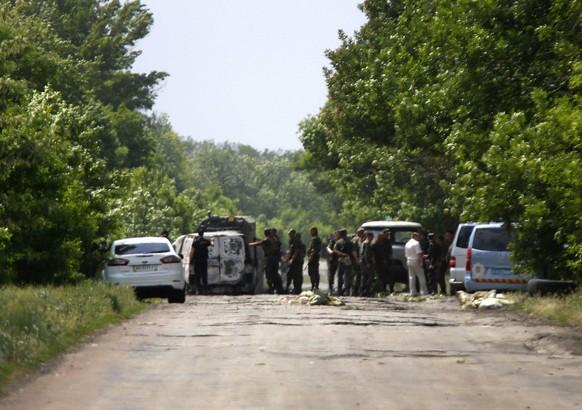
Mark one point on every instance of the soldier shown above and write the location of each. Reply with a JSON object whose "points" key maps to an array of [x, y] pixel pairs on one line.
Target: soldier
{"points": [[346, 258], [366, 264], [199, 254], [357, 240], [332, 262], [380, 261], [272, 250], [295, 270], [389, 278], [433, 257], [313, 255], [441, 264]]}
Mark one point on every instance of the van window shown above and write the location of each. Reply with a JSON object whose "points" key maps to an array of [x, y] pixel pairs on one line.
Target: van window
{"points": [[491, 239], [401, 236], [464, 235]]}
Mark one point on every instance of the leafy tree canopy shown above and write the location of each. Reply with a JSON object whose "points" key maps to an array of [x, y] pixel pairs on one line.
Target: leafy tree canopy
{"points": [[421, 102]]}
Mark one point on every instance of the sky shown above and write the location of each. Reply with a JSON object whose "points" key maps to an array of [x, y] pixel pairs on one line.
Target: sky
{"points": [[247, 71]]}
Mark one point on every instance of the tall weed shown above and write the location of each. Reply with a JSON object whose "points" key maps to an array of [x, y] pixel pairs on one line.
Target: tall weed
{"points": [[566, 310], [37, 323]]}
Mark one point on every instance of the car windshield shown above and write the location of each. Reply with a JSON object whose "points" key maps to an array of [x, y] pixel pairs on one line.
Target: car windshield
{"points": [[492, 239], [138, 248]]}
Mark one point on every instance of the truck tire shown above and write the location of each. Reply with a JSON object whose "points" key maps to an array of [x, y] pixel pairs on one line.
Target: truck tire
{"points": [[544, 287]]}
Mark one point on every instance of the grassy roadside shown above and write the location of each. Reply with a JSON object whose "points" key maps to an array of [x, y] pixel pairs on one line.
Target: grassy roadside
{"points": [[566, 310], [38, 323]]}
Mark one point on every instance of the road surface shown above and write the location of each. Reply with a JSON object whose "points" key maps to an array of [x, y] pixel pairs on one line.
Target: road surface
{"points": [[256, 352]]}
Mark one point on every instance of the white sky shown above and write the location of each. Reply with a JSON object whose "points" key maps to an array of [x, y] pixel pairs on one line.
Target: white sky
{"points": [[243, 71]]}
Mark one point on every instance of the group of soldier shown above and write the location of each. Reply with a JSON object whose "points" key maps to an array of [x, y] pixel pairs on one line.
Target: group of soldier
{"points": [[361, 264]]}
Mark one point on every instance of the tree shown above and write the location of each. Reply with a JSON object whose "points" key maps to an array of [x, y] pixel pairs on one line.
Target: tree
{"points": [[532, 173], [48, 191], [416, 94]]}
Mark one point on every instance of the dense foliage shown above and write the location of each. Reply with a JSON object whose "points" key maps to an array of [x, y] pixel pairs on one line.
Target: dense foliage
{"points": [[438, 111], [82, 160], [442, 111]]}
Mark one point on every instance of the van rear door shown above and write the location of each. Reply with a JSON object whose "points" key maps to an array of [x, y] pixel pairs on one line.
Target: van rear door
{"points": [[226, 259]]}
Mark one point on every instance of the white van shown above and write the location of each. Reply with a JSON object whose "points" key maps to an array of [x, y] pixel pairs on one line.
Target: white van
{"points": [[458, 257], [400, 233], [489, 263]]}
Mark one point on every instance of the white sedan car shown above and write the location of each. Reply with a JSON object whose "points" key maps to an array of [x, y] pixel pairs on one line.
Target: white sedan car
{"points": [[150, 265]]}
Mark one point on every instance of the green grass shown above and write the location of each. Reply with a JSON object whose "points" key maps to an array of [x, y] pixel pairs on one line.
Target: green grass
{"points": [[566, 310], [38, 323]]}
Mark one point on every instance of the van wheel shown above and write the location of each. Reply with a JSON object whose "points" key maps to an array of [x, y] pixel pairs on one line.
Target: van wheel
{"points": [[544, 287]]}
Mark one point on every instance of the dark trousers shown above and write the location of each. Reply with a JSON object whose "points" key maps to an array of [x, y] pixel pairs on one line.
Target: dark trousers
{"points": [[201, 275], [385, 277], [357, 272], [295, 275], [367, 279], [313, 271], [345, 279], [331, 270], [272, 274]]}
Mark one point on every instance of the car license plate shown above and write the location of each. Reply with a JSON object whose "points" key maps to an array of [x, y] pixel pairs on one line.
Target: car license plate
{"points": [[145, 268]]}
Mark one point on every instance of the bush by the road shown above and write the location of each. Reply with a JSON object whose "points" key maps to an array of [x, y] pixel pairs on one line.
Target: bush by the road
{"points": [[37, 323], [566, 310]]}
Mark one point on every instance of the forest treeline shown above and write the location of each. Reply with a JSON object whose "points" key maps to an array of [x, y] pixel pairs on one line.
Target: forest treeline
{"points": [[437, 112]]}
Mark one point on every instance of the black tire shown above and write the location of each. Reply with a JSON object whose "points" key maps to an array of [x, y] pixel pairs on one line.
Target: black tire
{"points": [[177, 296], [544, 287], [455, 288]]}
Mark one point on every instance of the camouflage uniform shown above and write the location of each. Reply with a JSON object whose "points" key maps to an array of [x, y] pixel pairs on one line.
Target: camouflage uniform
{"points": [[272, 251], [357, 242], [345, 273], [295, 270], [332, 263], [313, 260], [366, 266], [381, 248]]}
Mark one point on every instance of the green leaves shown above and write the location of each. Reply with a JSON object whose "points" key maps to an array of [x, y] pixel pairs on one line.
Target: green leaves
{"points": [[68, 117], [460, 110]]}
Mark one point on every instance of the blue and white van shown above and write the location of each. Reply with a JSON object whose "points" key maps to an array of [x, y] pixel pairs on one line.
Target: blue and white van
{"points": [[488, 260]]}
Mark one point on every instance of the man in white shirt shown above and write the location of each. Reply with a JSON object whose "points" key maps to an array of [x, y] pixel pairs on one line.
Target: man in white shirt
{"points": [[415, 262]]}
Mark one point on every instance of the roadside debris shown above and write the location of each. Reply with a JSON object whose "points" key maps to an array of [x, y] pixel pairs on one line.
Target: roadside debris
{"points": [[311, 298], [483, 300]]}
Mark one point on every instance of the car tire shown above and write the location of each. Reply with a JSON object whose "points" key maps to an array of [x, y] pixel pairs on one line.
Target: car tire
{"points": [[177, 296], [544, 287]]}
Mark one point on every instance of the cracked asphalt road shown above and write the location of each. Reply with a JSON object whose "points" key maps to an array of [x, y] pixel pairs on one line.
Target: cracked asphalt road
{"points": [[255, 352]]}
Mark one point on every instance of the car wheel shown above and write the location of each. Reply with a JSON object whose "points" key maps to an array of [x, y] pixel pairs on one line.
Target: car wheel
{"points": [[177, 296], [544, 287]]}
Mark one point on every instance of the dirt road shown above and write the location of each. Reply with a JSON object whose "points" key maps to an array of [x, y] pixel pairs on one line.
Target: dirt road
{"points": [[252, 352]]}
